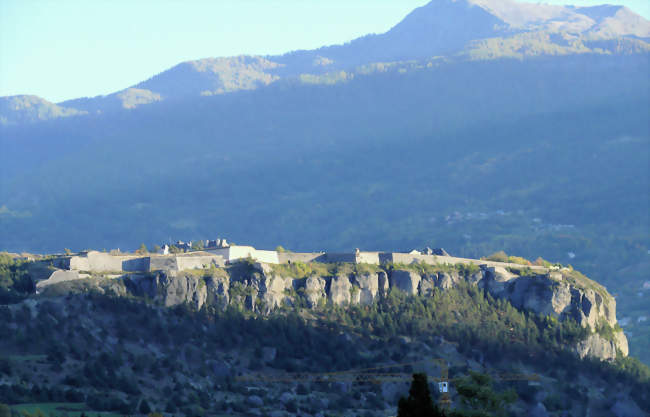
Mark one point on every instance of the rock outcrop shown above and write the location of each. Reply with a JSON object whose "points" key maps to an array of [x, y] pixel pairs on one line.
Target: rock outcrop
{"points": [[314, 290], [339, 290], [368, 288], [407, 281], [597, 346], [560, 294]]}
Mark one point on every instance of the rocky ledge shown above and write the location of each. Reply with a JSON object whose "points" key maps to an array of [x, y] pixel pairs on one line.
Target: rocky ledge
{"points": [[261, 288]]}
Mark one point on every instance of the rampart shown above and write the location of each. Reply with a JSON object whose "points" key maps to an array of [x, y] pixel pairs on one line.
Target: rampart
{"points": [[99, 262], [198, 262], [306, 257], [94, 261]]}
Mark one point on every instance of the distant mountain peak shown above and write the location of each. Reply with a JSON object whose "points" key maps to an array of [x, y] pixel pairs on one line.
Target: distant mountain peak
{"points": [[29, 108], [448, 29], [531, 15]]}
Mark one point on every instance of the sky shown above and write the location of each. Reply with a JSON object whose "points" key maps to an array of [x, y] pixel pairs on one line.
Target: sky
{"points": [[64, 49]]}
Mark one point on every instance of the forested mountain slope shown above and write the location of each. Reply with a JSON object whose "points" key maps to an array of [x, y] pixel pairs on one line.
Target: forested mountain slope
{"points": [[228, 341], [473, 157], [530, 134]]}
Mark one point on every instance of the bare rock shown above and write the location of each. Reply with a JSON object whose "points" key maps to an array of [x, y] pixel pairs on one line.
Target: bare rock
{"points": [[427, 284], [596, 346], [368, 288], [447, 280], [218, 288], [182, 289], [57, 277], [406, 281], [272, 292], [476, 278], [339, 290], [314, 290], [621, 343], [383, 283]]}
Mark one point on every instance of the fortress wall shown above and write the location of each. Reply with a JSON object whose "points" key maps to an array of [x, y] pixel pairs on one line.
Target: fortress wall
{"points": [[240, 252], [285, 257], [198, 262], [103, 262], [337, 257], [385, 257], [165, 263], [267, 256], [407, 258], [218, 251], [136, 264], [368, 258], [79, 263]]}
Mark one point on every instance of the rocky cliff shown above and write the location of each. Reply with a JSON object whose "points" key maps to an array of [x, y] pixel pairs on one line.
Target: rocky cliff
{"points": [[262, 288]]}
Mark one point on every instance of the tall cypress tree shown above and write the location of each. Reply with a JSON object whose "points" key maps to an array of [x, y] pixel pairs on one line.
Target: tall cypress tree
{"points": [[419, 402]]}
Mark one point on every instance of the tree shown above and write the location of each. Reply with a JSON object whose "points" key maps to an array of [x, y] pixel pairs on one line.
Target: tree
{"points": [[478, 399], [419, 402], [142, 250], [144, 407]]}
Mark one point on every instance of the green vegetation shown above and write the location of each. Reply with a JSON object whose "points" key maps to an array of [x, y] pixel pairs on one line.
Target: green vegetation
{"points": [[142, 250], [422, 268], [478, 398], [606, 331], [464, 314], [113, 377], [419, 402], [501, 256], [15, 280]]}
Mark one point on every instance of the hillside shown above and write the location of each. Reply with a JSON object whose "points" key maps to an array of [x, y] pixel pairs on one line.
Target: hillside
{"points": [[228, 341], [28, 109], [523, 128]]}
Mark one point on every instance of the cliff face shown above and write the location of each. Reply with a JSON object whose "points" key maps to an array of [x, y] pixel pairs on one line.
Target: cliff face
{"points": [[561, 294]]}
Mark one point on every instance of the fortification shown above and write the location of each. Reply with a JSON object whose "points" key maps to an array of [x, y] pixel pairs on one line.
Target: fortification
{"points": [[98, 262]]}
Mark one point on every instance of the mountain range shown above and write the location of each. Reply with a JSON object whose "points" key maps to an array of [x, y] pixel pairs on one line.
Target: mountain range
{"points": [[449, 30], [476, 126]]}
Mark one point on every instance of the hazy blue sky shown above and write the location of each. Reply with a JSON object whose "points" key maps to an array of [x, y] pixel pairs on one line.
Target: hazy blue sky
{"points": [[62, 49]]}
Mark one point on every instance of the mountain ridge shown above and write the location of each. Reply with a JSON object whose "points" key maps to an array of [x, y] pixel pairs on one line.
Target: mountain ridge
{"points": [[456, 29]]}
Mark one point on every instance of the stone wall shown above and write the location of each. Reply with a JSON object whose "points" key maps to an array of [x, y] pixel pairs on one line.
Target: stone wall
{"points": [[368, 258], [266, 256], [97, 262], [337, 257], [286, 257], [163, 263], [233, 253], [136, 264], [94, 261], [198, 262]]}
